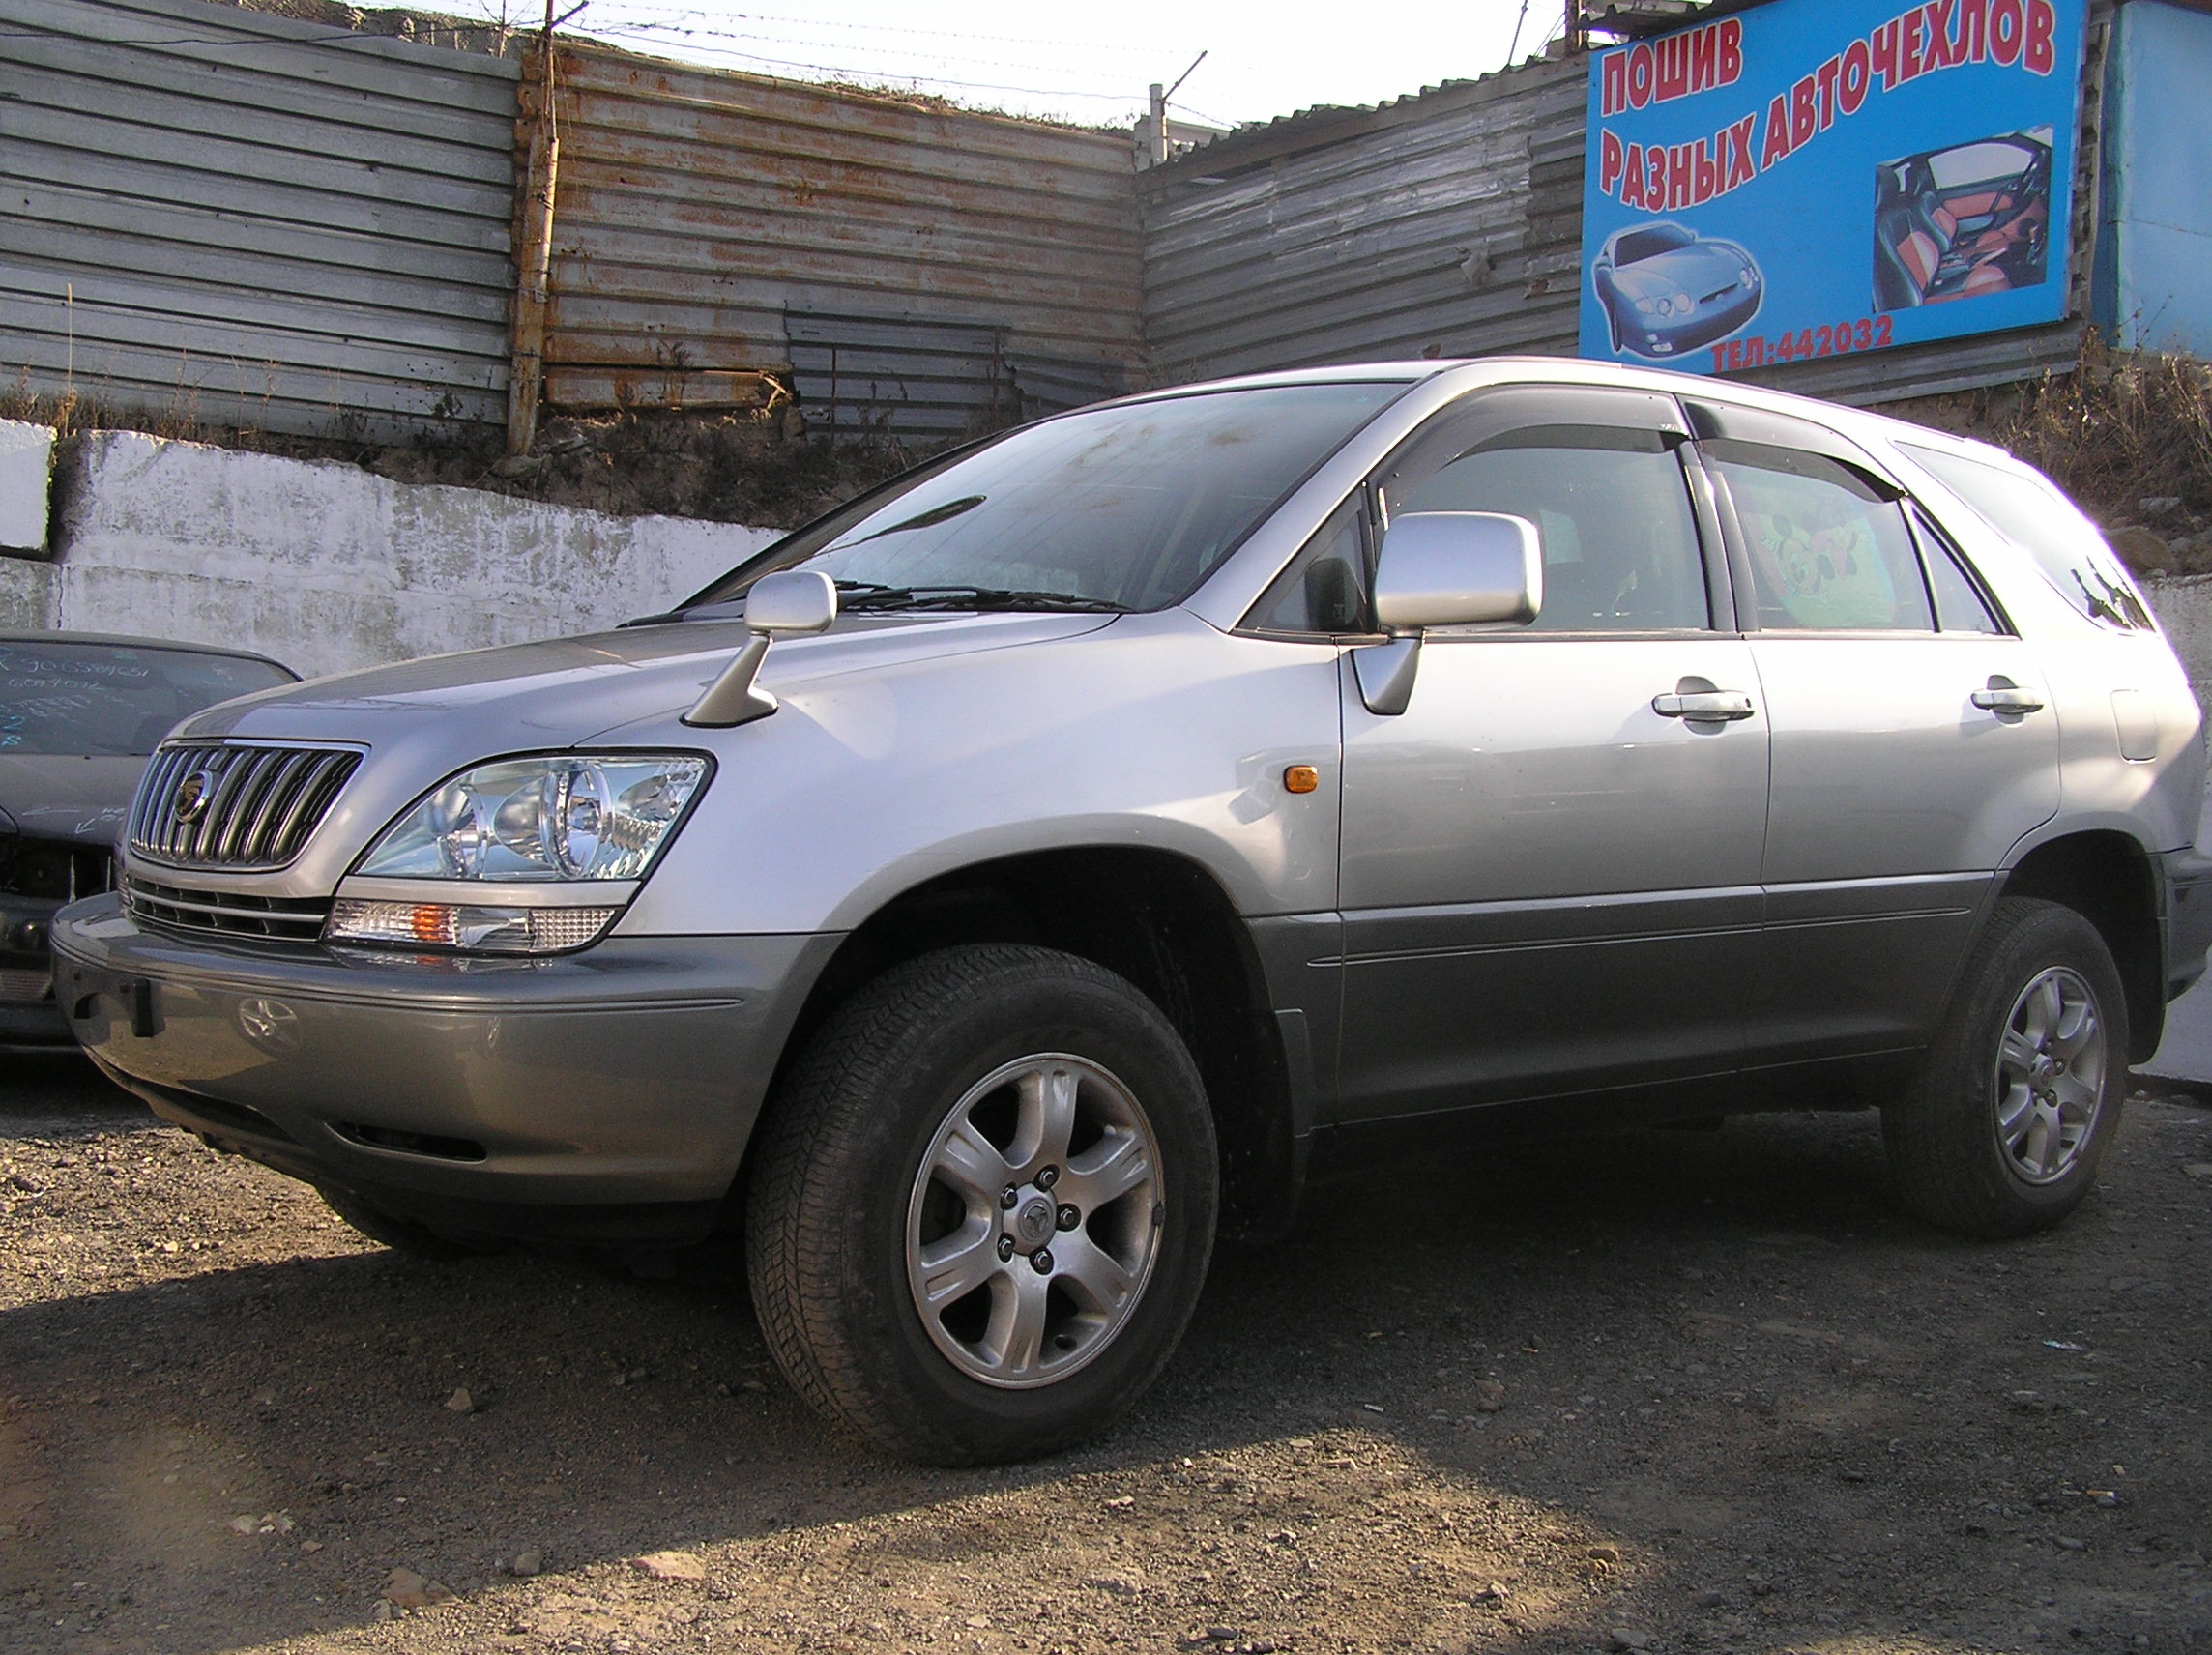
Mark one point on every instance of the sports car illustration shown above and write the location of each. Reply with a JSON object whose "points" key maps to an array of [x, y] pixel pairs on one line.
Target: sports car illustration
{"points": [[1964, 221], [1668, 290]]}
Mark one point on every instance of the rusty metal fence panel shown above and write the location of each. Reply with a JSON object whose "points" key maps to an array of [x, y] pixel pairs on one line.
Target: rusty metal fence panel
{"points": [[698, 209], [224, 215]]}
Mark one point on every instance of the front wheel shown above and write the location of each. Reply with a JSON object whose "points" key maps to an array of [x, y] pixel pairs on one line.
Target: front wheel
{"points": [[2021, 1093], [982, 1204]]}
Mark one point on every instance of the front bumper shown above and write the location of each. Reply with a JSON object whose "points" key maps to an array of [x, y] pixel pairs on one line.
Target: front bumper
{"points": [[29, 1018], [603, 1095]]}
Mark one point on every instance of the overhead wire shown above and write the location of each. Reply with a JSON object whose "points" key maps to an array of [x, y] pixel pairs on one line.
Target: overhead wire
{"points": [[882, 28], [768, 38], [840, 72]]}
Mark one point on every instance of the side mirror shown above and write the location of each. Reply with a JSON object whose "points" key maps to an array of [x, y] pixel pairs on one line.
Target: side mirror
{"points": [[1458, 569], [789, 603]]}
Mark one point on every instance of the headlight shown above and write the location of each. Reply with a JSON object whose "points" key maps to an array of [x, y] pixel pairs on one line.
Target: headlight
{"points": [[1648, 307], [589, 824], [541, 819]]}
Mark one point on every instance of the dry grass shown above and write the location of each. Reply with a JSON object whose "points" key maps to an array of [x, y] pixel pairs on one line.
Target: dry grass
{"points": [[2128, 435], [759, 468]]}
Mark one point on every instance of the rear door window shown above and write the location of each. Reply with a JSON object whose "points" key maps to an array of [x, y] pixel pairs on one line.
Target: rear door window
{"points": [[1829, 551], [1959, 603], [2034, 514]]}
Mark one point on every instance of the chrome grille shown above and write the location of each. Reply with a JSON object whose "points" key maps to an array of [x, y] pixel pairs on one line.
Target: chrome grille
{"points": [[240, 808], [227, 913]]}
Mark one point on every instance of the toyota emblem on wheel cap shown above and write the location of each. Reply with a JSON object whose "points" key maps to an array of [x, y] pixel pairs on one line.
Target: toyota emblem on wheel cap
{"points": [[1034, 1222]]}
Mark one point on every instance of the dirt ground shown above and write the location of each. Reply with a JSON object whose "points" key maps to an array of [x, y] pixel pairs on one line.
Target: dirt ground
{"points": [[1664, 1391]]}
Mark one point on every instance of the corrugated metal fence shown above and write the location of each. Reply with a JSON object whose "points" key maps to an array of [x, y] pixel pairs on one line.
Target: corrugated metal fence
{"points": [[1448, 224], [245, 219], [920, 269]]}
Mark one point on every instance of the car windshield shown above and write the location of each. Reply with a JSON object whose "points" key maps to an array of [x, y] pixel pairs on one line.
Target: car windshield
{"points": [[1977, 164], [112, 700], [1641, 245], [1126, 508]]}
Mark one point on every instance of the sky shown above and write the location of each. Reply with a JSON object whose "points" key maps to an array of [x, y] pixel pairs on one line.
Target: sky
{"points": [[1088, 64]]}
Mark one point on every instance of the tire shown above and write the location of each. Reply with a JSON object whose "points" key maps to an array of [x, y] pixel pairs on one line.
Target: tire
{"points": [[400, 1234], [878, 1181], [1974, 1146]]}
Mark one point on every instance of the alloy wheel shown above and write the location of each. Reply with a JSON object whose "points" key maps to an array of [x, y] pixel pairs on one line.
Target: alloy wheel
{"points": [[1035, 1220], [2050, 1076]]}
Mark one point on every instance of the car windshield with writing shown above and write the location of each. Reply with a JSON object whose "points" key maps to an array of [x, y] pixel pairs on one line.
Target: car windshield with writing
{"points": [[1641, 245], [1120, 509], [113, 700]]}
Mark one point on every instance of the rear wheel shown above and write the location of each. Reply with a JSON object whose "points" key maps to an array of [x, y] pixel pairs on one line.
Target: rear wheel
{"points": [[2022, 1090], [982, 1204]]}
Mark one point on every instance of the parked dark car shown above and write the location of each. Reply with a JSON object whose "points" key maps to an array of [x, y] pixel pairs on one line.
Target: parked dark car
{"points": [[1668, 290], [80, 713], [1964, 221]]}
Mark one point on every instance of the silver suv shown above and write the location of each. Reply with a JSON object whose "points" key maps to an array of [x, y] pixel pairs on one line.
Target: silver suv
{"points": [[1054, 859]]}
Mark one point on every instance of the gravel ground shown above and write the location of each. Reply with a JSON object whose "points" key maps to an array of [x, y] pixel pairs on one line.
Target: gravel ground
{"points": [[1664, 1391]]}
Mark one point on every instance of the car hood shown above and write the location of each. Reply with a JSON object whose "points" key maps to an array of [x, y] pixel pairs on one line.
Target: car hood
{"points": [[568, 691], [1695, 270], [64, 795]]}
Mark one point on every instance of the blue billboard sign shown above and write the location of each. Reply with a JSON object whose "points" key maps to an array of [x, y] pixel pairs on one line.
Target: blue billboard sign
{"points": [[1813, 177]]}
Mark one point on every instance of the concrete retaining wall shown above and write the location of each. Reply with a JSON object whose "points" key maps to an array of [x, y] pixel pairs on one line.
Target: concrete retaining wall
{"points": [[326, 567], [2183, 605]]}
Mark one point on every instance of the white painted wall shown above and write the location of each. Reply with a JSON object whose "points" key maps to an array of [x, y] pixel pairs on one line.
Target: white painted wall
{"points": [[27, 480], [2183, 605], [325, 567]]}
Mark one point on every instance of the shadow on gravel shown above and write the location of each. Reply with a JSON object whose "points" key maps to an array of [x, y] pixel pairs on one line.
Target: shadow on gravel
{"points": [[1742, 1386]]}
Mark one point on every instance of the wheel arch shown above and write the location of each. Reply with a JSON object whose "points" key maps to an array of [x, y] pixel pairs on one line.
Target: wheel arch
{"points": [[2108, 878], [1154, 917]]}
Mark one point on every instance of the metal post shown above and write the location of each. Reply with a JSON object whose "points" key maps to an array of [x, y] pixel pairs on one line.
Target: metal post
{"points": [[534, 257]]}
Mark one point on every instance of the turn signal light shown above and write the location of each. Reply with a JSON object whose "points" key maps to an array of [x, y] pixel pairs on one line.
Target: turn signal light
{"points": [[1301, 778]]}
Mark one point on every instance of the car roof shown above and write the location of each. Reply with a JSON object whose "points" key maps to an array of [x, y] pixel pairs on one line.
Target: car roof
{"points": [[1578, 370], [125, 641]]}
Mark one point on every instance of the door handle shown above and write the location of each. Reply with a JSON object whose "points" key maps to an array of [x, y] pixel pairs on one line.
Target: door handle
{"points": [[1721, 705], [2004, 696]]}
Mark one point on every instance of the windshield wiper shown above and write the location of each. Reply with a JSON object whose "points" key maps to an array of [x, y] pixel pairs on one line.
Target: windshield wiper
{"points": [[860, 596], [908, 598]]}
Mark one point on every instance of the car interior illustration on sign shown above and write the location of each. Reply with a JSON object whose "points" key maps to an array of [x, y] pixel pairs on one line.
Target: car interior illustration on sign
{"points": [[1963, 222], [1666, 290]]}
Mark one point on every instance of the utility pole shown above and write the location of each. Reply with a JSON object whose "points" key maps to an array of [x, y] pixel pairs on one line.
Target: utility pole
{"points": [[534, 257], [1156, 128], [1578, 34]]}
